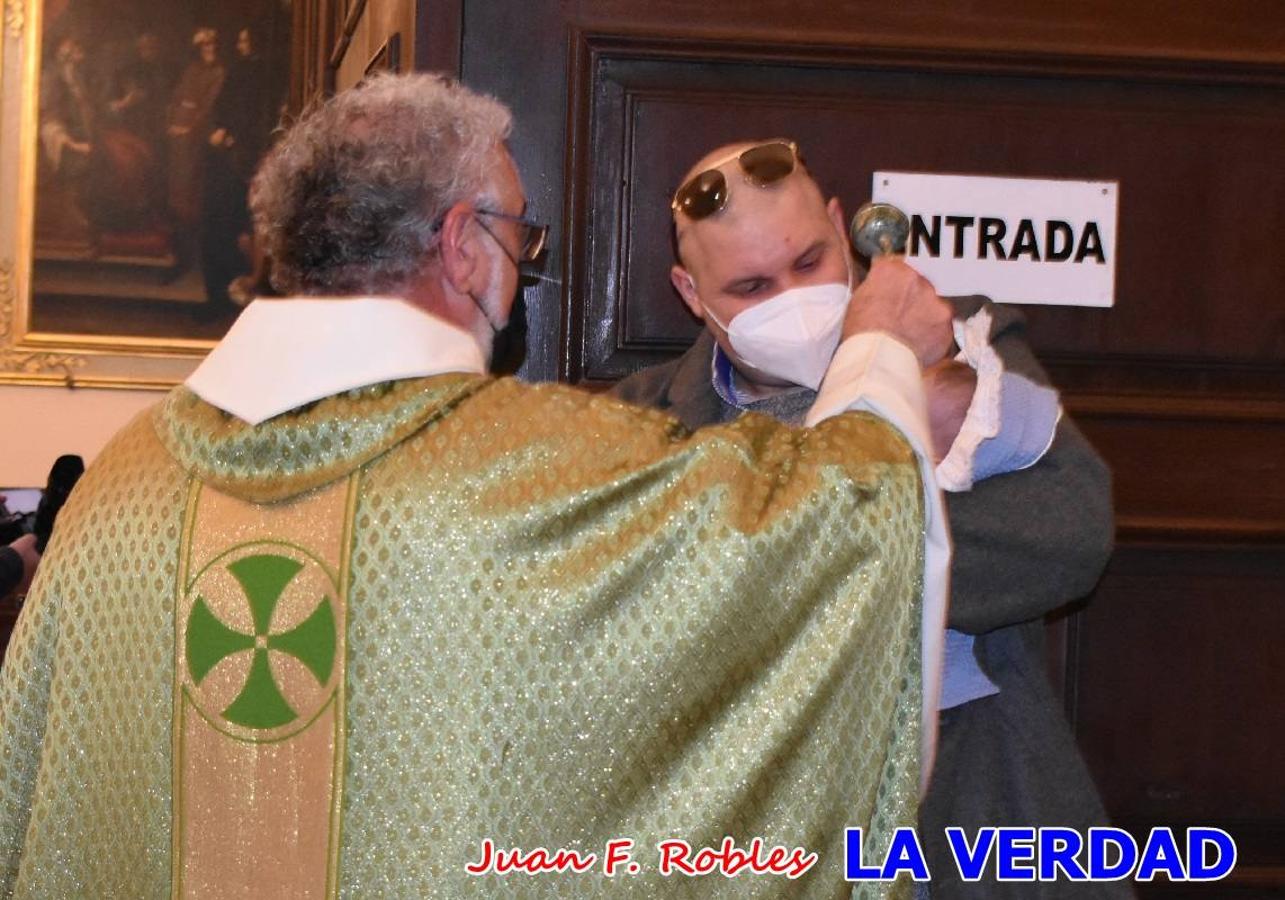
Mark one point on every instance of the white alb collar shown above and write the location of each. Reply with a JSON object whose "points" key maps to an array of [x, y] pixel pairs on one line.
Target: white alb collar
{"points": [[281, 354]]}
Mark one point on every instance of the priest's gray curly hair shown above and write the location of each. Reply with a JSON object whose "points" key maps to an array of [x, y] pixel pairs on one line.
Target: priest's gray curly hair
{"points": [[349, 202]]}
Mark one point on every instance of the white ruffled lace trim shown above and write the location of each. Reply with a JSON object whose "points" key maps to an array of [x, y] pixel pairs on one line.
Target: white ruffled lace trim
{"points": [[955, 472]]}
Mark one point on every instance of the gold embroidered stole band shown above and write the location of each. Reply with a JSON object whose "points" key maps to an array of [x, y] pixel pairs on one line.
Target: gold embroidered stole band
{"points": [[258, 688]]}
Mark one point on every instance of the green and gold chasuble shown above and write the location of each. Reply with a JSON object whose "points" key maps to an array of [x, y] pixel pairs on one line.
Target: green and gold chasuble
{"points": [[332, 654]]}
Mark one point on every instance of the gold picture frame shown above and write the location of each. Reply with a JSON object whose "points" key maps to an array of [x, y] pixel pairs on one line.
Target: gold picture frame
{"points": [[31, 351]]}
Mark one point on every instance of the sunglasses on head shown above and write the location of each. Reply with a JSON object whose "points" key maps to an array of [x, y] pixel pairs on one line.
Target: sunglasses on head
{"points": [[706, 193]]}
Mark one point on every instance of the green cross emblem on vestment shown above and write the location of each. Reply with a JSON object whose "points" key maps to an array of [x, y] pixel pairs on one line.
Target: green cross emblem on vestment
{"points": [[260, 703]]}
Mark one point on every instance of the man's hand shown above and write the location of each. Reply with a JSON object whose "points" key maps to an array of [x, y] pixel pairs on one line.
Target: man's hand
{"points": [[25, 547], [949, 388], [896, 299]]}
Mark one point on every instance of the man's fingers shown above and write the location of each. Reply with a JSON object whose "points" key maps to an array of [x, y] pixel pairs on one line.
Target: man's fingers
{"points": [[897, 299]]}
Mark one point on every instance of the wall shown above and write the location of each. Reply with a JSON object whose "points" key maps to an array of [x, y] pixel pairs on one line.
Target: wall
{"points": [[40, 423]]}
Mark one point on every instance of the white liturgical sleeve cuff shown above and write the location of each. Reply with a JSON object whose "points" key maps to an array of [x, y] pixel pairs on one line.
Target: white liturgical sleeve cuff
{"points": [[877, 373]]}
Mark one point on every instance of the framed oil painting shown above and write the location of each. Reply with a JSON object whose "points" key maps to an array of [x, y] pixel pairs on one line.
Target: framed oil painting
{"points": [[129, 130]]}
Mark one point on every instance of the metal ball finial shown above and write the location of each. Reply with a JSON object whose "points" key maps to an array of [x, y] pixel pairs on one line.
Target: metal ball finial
{"points": [[879, 229]]}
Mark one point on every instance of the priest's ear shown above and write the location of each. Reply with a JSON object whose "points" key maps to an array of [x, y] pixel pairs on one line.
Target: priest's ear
{"points": [[463, 260]]}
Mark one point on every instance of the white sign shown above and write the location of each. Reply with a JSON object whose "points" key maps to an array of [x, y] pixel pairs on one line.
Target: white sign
{"points": [[1016, 240]]}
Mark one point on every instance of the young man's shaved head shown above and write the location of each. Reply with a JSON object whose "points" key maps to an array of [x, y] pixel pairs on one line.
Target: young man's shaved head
{"points": [[724, 158]]}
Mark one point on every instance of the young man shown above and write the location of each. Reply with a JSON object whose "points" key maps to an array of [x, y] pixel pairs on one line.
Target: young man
{"points": [[764, 262]]}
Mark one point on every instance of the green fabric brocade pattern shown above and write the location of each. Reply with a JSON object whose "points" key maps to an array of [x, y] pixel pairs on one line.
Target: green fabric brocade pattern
{"points": [[569, 621]]}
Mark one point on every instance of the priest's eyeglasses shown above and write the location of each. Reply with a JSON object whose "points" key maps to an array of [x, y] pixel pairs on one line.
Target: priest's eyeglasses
{"points": [[706, 193], [533, 234]]}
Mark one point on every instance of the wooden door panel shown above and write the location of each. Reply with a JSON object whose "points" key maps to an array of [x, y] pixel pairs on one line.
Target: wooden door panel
{"points": [[1178, 693], [651, 118]]}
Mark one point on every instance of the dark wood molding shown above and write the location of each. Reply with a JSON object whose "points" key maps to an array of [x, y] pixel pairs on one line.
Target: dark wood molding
{"points": [[581, 61], [966, 58], [1236, 33], [1178, 531], [439, 32], [1162, 405]]}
